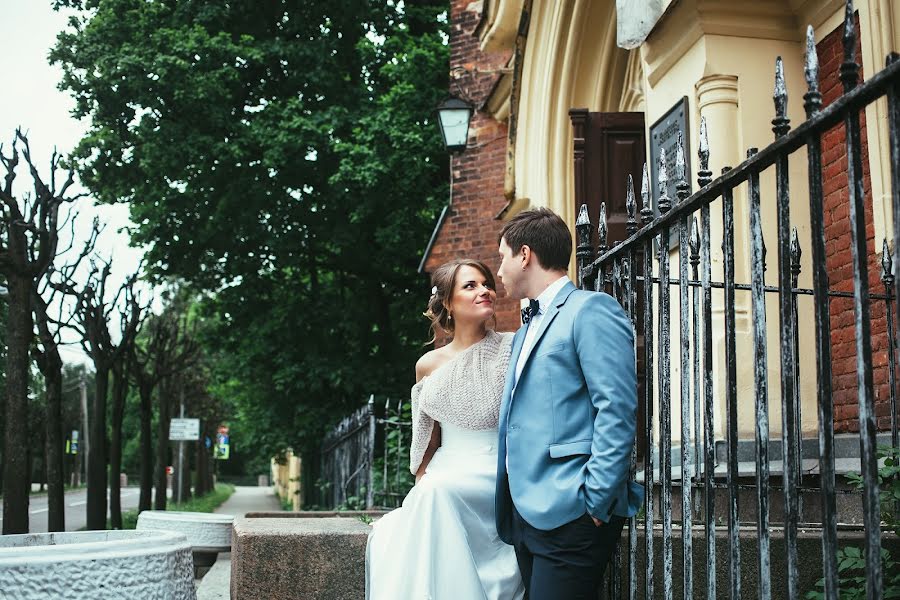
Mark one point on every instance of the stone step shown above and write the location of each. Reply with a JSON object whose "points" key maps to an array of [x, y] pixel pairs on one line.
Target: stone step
{"points": [[809, 551], [848, 502]]}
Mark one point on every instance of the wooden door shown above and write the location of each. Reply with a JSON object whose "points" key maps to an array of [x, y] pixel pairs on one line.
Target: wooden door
{"points": [[608, 147]]}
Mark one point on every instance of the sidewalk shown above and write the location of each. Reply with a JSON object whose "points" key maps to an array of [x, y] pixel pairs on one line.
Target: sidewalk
{"points": [[215, 584], [249, 499]]}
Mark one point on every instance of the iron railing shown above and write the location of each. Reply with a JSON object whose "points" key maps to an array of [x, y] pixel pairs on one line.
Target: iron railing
{"points": [[637, 272], [365, 458]]}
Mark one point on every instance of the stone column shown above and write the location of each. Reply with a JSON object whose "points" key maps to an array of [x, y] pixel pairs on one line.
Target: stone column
{"points": [[717, 102]]}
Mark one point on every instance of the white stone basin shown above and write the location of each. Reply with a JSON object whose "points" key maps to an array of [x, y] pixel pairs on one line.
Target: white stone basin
{"points": [[96, 565], [206, 532]]}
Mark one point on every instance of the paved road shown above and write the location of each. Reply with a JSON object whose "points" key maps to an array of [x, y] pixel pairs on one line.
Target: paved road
{"points": [[76, 509]]}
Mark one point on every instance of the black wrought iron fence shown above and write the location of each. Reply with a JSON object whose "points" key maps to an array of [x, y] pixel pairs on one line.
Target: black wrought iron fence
{"points": [[638, 272], [365, 458]]}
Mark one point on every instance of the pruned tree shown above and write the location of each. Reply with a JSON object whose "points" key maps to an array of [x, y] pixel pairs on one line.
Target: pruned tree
{"points": [[93, 312], [130, 321], [167, 349], [46, 295], [29, 238]]}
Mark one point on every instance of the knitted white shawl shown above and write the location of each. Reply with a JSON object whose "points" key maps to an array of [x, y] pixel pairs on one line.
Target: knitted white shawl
{"points": [[465, 391]]}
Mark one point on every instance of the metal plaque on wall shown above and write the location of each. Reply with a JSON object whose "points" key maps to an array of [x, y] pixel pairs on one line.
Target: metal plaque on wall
{"points": [[664, 134]]}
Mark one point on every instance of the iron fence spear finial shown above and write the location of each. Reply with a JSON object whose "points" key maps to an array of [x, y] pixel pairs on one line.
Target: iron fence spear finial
{"points": [[704, 175], [583, 251], [812, 98], [646, 210], [796, 253], [780, 124], [602, 228], [887, 264], [695, 245], [682, 187], [664, 203], [631, 226], [583, 229], [849, 68]]}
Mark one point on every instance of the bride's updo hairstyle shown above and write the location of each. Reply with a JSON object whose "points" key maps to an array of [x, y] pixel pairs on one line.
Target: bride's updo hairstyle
{"points": [[443, 281]]}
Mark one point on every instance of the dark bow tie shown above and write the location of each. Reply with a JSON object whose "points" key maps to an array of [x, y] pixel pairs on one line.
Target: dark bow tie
{"points": [[530, 311]]}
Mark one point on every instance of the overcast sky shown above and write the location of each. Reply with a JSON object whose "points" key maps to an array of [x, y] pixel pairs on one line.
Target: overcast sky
{"points": [[30, 99]]}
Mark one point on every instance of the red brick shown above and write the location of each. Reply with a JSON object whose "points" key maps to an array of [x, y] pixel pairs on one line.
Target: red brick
{"points": [[838, 239]]}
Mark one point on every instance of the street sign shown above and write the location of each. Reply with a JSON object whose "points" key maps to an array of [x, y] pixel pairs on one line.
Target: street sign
{"points": [[184, 430], [72, 445], [223, 444]]}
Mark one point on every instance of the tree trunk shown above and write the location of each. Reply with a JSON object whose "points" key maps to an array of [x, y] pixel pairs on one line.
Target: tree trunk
{"points": [[162, 447], [146, 454], [16, 478], [56, 503], [119, 391], [96, 475], [51, 365]]}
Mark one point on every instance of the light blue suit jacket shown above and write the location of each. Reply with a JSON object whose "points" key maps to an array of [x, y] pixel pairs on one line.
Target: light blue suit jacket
{"points": [[567, 426]]}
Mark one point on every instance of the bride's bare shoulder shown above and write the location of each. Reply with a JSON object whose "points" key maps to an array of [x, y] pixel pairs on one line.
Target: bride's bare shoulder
{"points": [[429, 362]]}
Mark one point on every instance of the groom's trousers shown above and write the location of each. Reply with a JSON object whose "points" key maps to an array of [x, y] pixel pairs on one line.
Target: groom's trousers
{"points": [[566, 563]]}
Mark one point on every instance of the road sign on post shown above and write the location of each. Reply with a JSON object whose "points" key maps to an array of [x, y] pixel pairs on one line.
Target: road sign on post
{"points": [[184, 430], [223, 443]]}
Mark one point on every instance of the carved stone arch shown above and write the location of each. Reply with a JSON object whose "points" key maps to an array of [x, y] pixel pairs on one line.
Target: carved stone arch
{"points": [[571, 60], [632, 98]]}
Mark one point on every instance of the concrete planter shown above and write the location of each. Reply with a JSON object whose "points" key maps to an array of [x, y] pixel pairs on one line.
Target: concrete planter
{"points": [[96, 565], [207, 533]]}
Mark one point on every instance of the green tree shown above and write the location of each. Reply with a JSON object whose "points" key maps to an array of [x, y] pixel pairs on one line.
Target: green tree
{"points": [[280, 156]]}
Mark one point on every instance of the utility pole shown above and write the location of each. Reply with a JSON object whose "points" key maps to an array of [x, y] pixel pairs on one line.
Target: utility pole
{"points": [[84, 430], [180, 478]]}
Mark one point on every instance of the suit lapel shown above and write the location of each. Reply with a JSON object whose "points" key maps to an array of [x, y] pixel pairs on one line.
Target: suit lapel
{"points": [[551, 313], [517, 342]]}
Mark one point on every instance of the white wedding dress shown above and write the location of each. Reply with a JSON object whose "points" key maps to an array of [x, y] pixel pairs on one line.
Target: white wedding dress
{"points": [[442, 544]]}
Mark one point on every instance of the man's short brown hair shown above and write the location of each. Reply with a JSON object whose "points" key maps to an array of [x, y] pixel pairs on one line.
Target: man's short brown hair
{"points": [[544, 232]]}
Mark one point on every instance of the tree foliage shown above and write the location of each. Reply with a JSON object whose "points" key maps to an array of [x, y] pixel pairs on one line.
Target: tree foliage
{"points": [[281, 157]]}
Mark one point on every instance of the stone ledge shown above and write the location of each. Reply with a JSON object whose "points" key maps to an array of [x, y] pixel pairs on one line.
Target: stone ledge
{"points": [[317, 514], [308, 558], [215, 584]]}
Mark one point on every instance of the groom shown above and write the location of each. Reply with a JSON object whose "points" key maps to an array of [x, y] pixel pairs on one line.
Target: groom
{"points": [[567, 418]]}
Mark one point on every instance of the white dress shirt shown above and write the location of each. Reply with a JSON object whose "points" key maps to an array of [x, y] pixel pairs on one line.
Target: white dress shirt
{"points": [[534, 324]]}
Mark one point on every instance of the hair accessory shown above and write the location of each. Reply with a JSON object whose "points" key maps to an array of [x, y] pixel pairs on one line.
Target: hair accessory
{"points": [[433, 290]]}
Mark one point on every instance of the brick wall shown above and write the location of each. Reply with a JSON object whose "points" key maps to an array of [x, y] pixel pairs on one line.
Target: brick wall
{"points": [[470, 229], [839, 261]]}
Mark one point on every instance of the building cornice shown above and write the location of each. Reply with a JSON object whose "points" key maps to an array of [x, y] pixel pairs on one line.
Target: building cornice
{"points": [[685, 22]]}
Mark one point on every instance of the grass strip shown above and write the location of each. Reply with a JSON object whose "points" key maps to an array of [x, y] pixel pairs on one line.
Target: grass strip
{"points": [[206, 503]]}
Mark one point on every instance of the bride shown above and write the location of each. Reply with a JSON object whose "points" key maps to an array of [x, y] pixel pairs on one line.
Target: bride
{"points": [[442, 544]]}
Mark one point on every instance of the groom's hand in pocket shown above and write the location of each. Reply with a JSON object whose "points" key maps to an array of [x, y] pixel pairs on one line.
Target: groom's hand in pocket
{"points": [[596, 521]]}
